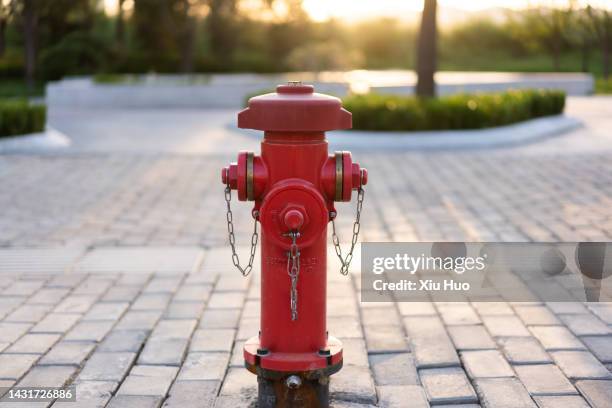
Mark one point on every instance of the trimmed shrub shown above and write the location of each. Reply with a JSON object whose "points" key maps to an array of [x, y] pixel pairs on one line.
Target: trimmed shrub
{"points": [[462, 111], [18, 117]]}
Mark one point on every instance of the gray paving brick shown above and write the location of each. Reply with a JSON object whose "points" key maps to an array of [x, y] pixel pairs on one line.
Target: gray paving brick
{"points": [[9, 332], [184, 310], [353, 383], [385, 339], [204, 366], [135, 401], [458, 313], [580, 365], [565, 401], [219, 319], [585, 325], [502, 393], [567, 307], [416, 309], [192, 393], [48, 296], [212, 340], [354, 352], [343, 327], [193, 292], [76, 304], [106, 311], [394, 369], [336, 306], [148, 381], [544, 379], [103, 366], [149, 302], [123, 293], [124, 340], [486, 364], [493, 308], [139, 320], [600, 346], [163, 351], [34, 343], [163, 284], [505, 326], [239, 381], [598, 393], [232, 401], [56, 323], [90, 394], [174, 329], [523, 350], [429, 342], [556, 338], [447, 386], [470, 337], [401, 396], [378, 315], [13, 366], [47, 376], [89, 331], [226, 300], [536, 315], [603, 311], [67, 353]]}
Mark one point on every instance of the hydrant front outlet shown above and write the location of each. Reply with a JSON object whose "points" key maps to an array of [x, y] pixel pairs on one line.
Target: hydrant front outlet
{"points": [[293, 184]]}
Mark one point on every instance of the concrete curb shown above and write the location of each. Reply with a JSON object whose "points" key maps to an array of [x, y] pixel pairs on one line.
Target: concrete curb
{"points": [[49, 139], [513, 135]]}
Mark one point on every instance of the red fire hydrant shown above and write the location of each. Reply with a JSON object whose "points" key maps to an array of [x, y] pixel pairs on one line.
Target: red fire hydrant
{"points": [[294, 184]]}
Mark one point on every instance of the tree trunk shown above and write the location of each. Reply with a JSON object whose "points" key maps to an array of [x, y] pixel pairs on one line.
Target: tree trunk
{"points": [[2, 36], [606, 59], [586, 57], [426, 51], [30, 27], [187, 38], [120, 27]]}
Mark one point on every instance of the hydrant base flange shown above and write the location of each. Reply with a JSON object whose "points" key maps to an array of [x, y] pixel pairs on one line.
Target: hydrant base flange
{"points": [[291, 362]]}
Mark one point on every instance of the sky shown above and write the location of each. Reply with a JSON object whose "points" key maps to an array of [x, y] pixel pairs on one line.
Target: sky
{"points": [[351, 10]]}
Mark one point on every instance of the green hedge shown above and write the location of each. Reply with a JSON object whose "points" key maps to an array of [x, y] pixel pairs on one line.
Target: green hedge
{"points": [[18, 117], [463, 111]]}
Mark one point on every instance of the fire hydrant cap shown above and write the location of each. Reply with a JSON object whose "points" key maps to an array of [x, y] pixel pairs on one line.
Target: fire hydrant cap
{"points": [[295, 108]]}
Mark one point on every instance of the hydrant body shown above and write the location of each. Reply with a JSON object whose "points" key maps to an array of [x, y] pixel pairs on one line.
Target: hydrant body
{"points": [[294, 184]]}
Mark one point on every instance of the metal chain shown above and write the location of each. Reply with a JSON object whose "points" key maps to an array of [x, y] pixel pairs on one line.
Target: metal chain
{"points": [[232, 238], [293, 270], [346, 261]]}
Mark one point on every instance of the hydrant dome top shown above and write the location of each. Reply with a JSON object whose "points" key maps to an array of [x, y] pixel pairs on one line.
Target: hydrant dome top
{"points": [[294, 107]]}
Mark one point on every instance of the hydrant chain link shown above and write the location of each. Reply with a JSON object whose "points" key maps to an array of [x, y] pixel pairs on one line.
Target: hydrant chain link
{"points": [[293, 270], [232, 238], [346, 261]]}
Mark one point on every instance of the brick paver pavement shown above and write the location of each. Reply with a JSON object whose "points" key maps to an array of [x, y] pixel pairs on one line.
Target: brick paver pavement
{"points": [[114, 276]]}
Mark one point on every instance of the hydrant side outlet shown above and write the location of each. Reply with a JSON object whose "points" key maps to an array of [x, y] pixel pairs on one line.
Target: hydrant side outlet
{"points": [[293, 184]]}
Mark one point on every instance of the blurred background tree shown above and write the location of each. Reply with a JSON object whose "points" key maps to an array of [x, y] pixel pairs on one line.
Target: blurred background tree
{"points": [[43, 40]]}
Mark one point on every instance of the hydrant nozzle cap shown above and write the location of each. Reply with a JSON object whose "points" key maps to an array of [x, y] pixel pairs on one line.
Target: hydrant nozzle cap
{"points": [[294, 107]]}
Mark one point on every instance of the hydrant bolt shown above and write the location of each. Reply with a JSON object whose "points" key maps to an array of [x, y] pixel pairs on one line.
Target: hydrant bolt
{"points": [[293, 382]]}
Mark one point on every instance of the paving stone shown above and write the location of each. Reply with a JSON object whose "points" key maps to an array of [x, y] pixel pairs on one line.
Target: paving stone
{"points": [[565, 401], [185, 394], [237, 358], [239, 381], [204, 366], [394, 369], [67, 353], [458, 314], [401, 396], [22, 288], [353, 383], [385, 339], [149, 302], [536, 315], [93, 286], [486, 364], [470, 337], [9, 332], [447, 386], [585, 325], [212, 340], [505, 326], [493, 308], [124, 340], [89, 331], [163, 284], [174, 329], [523, 350], [567, 307], [139, 320], [502, 393], [378, 315], [193, 292], [184, 310], [13, 366], [47, 376], [106, 311], [233, 401], [48, 296], [123, 293], [219, 319], [579, 365], [556, 338], [336, 306], [600, 346], [226, 300], [90, 394], [103, 366], [343, 327], [354, 352], [603, 311], [544, 379], [56, 323], [429, 342], [135, 401], [416, 309], [598, 393], [163, 351], [148, 381], [76, 304]]}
